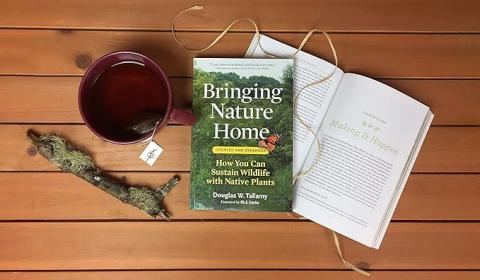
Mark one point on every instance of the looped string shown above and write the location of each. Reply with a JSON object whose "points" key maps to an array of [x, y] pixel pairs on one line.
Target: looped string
{"points": [[295, 98], [215, 41], [297, 94]]}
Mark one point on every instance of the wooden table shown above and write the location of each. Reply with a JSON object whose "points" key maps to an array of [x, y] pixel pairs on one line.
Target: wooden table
{"points": [[55, 226]]}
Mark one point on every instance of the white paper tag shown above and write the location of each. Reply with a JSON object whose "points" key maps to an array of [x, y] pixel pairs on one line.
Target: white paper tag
{"points": [[151, 153]]}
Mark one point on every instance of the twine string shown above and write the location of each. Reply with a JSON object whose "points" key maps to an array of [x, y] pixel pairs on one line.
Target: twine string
{"points": [[296, 97], [345, 262], [218, 38]]}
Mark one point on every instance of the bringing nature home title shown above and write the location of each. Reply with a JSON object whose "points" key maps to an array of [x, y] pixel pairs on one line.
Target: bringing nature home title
{"points": [[246, 96]]}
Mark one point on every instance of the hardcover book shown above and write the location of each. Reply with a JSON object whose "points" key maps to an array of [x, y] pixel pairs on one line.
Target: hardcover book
{"points": [[242, 141]]}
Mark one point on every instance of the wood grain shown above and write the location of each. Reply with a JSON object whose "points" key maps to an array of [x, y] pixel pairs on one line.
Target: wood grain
{"points": [[26, 99], [59, 196], [446, 149], [50, 52], [229, 245], [239, 274], [174, 139], [345, 15], [55, 221], [454, 102]]}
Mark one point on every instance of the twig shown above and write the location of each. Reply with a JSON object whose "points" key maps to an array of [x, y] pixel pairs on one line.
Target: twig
{"points": [[69, 158]]}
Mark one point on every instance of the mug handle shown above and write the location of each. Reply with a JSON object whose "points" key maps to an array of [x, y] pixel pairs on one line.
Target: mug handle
{"points": [[182, 116]]}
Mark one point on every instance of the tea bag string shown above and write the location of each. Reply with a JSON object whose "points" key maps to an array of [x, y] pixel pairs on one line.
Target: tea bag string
{"points": [[150, 138], [296, 95]]}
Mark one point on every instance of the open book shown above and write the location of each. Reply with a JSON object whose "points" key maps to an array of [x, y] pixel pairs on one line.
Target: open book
{"points": [[370, 136]]}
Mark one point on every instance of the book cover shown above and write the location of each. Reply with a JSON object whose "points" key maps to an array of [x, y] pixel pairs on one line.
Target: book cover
{"points": [[242, 141]]}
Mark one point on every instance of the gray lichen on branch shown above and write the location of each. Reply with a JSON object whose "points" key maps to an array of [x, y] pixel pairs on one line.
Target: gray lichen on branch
{"points": [[70, 158]]}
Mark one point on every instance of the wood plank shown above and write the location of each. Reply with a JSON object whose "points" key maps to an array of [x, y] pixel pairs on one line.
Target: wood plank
{"points": [[446, 149], [238, 274], [444, 97], [60, 196], [54, 99], [26, 99], [229, 245], [174, 139], [50, 52], [346, 15], [440, 150]]}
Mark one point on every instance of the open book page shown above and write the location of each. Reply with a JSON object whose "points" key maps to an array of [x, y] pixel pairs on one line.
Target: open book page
{"points": [[403, 180], [367, 136], [314, 101]]}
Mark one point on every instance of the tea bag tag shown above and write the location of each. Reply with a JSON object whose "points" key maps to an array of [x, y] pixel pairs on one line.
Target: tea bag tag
{"points": [[153, 150], [151, 153]]}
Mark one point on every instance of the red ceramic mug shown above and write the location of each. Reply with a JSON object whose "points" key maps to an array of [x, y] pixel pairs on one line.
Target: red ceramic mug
{"points": [[119, 87]]}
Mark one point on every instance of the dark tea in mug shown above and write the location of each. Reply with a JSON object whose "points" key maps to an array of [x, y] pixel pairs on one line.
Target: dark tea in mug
{"points": [[121, 94], [125, 97]]}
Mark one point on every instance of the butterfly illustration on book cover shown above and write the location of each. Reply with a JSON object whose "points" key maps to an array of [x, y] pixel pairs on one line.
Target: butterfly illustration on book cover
{"points": [[270, 143]]}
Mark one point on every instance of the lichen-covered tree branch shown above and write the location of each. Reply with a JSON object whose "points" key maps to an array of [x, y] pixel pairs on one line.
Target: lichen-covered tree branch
{"points": [[70, 158]]}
